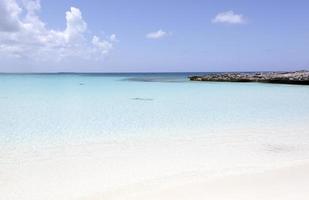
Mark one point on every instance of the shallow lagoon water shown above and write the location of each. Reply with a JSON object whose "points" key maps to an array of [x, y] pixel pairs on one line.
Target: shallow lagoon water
{"points": [[122, 129], [60, 106]]}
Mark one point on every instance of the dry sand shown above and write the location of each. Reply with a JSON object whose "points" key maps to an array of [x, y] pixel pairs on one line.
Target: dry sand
{"points": [[288, 183]]}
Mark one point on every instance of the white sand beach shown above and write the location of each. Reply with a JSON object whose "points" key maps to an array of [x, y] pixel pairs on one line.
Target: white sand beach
{"points": [[287, 183], [220, 167]]}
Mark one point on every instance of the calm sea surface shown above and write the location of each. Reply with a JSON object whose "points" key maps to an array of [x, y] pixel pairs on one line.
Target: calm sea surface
{"points": [[86, 106]]}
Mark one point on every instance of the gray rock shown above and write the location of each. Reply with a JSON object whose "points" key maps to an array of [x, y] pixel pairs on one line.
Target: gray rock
{"points": [[298, 77]]}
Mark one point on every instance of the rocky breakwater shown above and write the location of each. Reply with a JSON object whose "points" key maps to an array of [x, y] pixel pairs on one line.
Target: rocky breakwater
{"points": [[298, 77]]}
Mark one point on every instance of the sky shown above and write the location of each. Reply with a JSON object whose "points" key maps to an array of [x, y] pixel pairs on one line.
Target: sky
{"points": [[153, 36]]}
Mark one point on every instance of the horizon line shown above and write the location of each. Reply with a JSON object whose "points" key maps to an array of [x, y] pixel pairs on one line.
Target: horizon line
{"points": [[150, 72]]}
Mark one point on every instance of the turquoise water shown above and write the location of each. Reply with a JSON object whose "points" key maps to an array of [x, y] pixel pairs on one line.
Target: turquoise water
{"points": [[70, 136], [85, 106]]}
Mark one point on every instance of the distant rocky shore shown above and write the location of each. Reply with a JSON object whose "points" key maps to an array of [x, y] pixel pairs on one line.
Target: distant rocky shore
{"points": [[297, 77]]}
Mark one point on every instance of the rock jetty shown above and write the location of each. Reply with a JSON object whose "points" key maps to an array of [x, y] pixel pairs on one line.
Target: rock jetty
{"points": [[298, 77]]}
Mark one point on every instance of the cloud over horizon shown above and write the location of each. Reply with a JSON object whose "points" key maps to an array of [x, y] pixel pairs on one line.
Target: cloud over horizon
{"points": [[229, 17], [24, 35]]}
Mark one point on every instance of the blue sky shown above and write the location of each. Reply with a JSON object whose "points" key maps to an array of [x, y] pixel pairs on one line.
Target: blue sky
{"points": [[139, 35]]}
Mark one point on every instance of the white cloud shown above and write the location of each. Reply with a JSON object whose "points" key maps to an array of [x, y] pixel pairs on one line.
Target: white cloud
{"points": [[157, 34], [26, 35], [9, 12], [113, 38], [103, 46], [32, 5], [76, 26], [229, 17]]}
